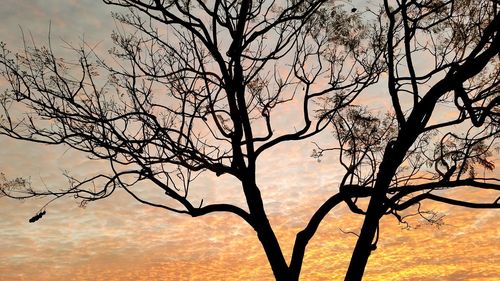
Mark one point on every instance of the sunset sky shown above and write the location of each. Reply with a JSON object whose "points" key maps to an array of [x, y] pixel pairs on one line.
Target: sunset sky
{"points": [[120, 239]]}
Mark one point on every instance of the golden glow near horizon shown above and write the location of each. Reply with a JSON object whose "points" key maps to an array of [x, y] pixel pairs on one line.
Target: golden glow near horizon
{"points": [[120, 239]]}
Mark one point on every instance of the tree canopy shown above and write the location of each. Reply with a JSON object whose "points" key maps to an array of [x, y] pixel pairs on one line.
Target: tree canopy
{"points": [[196, 87]]}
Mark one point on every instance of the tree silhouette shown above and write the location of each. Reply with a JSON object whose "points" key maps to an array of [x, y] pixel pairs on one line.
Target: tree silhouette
{"points": [[414, 153], [194, 87], [428, 154]]}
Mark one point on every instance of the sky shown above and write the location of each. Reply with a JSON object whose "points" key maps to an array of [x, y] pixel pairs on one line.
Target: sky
{"points": [[120, 239]]}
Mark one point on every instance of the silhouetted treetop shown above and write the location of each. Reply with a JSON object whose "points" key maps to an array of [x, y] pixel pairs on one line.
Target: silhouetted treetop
{"points": [[202, 86]]}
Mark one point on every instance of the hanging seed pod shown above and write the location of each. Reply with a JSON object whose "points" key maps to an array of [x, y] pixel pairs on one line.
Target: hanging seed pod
{"points": [[37, 217]]}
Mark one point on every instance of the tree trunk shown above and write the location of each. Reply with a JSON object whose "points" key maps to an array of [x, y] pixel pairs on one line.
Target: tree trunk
{"points": [[265, 233], [393, 157], [364, 246], [273, 252]]}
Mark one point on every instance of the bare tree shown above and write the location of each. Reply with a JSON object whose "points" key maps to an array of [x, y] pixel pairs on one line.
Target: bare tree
{"points": [[195, 88], [192, 88], [444, 125]]}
